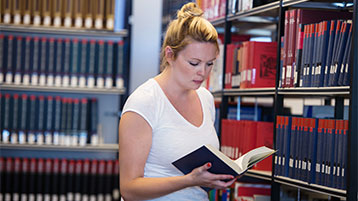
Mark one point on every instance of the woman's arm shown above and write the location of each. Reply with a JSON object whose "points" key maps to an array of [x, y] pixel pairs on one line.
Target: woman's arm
{"points": [[135, 140]]}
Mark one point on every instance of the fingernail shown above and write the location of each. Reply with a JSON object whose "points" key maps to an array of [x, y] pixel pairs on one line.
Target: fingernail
{"points": [[208, 165]]}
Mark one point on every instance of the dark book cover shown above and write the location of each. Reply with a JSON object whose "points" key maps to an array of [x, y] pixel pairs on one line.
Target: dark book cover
{"points": [[119, 65], [75, 62], [101, 179], [15, 119], [100, 64], [67, 63], [345, 60], [91, 58], [75, 121], [108, 183], [27, 60], [43, 64], [47, 179], [24, 185], [115, 181], [31, 138], [57, 120], [32, 180], [41, 120], [9, 182], [109, 64], [2, 59], [55, 179], [16, 179], [5, 135], [69, 127], [83, 69], [312, 150], [85, 190], [35, 55], [63, 129], [59, 61], [40, 178], [292, 161], [51, 62], [23, 119], [334, 52], [10, 59], [83, 122], [70, 180], [94, 122], [78, 179], [93, 180], [18, 60], [63, 179], [49, 113]]}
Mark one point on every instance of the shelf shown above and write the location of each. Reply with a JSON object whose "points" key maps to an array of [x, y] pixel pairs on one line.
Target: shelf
{"points": [[63, 31], [97, 148], [218, 22], [311, 187], [249, 92], [13, 87], [259, 174], [315, 91]]}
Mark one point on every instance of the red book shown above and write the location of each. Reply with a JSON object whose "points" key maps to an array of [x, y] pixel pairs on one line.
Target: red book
{"points": [[263, 59], [291, 48], [229, 63], [264, 138], [285, 48]]}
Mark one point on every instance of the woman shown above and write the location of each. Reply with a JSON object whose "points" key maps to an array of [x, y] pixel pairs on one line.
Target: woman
{"points": [[170, 115]]}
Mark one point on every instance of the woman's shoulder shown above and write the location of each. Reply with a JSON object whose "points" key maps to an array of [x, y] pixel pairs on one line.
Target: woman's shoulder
{"points": [[146, 90], [205, 93]]}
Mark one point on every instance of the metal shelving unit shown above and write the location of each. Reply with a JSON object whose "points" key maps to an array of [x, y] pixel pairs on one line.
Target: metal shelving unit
{"points": [[44, 147], [265, 15], [109, 91]]}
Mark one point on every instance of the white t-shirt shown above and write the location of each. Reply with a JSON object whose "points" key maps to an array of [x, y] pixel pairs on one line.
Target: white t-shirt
{"points": [[173, 135]]}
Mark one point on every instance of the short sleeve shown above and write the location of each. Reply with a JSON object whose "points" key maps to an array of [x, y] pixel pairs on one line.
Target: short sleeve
{"points": [[143, 103], [209, 101]]}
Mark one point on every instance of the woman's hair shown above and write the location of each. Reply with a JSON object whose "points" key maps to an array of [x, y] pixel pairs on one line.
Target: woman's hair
{"points": [[189, 26]]}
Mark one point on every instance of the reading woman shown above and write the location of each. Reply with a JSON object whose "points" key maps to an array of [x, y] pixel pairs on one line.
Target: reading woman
{"points": [[171, 115]]}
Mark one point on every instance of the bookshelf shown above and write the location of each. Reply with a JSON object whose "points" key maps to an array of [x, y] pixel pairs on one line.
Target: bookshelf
{"points": [[271, 16]]}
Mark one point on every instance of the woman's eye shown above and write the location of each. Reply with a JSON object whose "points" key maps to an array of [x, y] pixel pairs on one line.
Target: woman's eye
{"points": [[210, 64], [193, 63]]}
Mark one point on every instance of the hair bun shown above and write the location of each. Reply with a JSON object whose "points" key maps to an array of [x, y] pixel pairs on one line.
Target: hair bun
{"points": [[189, 10]]}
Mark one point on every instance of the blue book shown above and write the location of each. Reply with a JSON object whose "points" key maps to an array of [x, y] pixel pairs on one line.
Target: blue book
{"points": [[347, 74], [304, 56], [311, 53], [316, 51], [286, 146], [323, 53], [340, 52], [334, 51], [278, 146], [312, 130], [345, 61], [292, 161], [337, 143], [330, 152], [298, 164], [319, 159], [220, 163], [344, 157], [327, 67]]}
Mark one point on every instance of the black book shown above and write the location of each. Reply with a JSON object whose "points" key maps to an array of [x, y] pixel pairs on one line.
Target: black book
{"points": [[93, 180], [9, 171], [55, 179], [24, 179], [16, 179], [70, 180], [15, 119], [63, 180], [108, 183], [85, 180], [78, 178], [115, 181], [40, 177], [47, 179], [23, 119], [32, 180], [100, 179]]}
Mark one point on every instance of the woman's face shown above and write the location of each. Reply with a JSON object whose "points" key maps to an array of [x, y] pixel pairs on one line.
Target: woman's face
{"points": [[193, 64]]}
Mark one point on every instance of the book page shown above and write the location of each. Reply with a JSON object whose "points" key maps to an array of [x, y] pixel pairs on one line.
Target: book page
{"points": [[252, 157]]}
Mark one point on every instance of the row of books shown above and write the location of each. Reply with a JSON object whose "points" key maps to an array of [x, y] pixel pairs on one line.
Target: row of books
{"points": [[239, 137], [30, 119], [98, 14], [312, 150], [50, 61], [314, 46], [250, 64], [58, 179], [236, 6]]}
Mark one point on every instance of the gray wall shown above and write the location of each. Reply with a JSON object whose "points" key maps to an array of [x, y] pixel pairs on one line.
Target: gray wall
{"points": [[146, 24]]}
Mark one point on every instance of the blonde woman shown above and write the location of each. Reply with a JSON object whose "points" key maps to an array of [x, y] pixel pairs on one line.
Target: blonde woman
{"points": [[170, 115]]}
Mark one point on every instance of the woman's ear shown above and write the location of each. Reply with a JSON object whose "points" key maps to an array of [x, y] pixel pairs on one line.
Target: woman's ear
{"points": [[169, 54]]}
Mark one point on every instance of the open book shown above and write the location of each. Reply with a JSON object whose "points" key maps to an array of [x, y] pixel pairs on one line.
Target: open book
{"points": [[221, 164]]}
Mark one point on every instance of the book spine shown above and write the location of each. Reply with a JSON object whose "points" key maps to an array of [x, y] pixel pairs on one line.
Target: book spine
{"points": [[57, 120], [8, 178], [36, 10], [66, 68], [49, 120], [51, 64], [68, 7], [85, 180], [109, 14], [70, 186], [47, 180], [78, 9], [35, 62], [100, 65], [43, 65], [75, 121], [59, 62], [63, 121], [7, 11], [40, 179], [83, 122], [115, 180], [16, 180], [27, 59], [82, 80], [27, 12], [108, 181], [2, 58], [23, 119], [100, 180], [62, 180], [75, 64], [16, 12], [17, 73], [69, 127], [32, 180], [91, 64], [78, 180], [88, 14], [109, 65], [93, 190], [120, 63], [40, 129], [15, 119], [99, 14], [10, 54], [94, 122], [57, 6], [25, 170], [6, 128], [55, 178], [32, 127]]}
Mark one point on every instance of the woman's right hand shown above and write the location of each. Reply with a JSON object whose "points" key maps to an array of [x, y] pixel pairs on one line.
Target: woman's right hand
{"points": [[202, 177]]}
